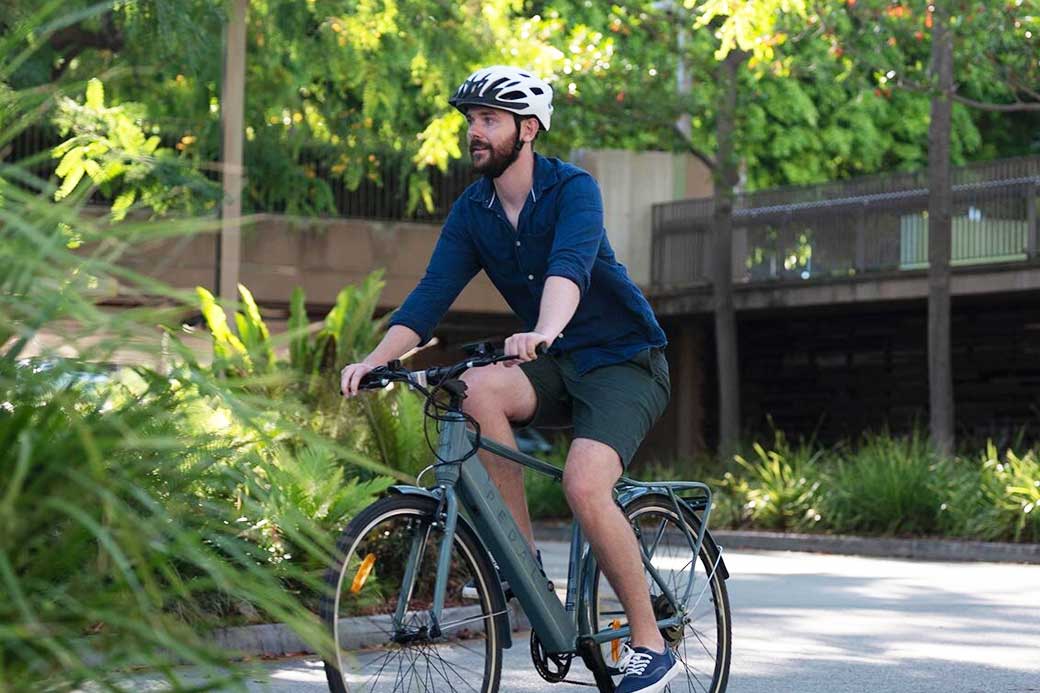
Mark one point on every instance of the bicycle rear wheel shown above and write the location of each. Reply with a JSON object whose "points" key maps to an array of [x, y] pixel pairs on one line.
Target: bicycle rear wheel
{"points": [[381, 626], [703, 644]]}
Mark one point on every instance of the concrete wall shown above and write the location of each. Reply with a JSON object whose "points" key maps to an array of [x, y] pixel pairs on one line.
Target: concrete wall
{"points": [[321, 255], [632, 182]]}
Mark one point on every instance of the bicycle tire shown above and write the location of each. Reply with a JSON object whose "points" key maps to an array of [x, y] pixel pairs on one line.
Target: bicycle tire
{"points": [[715, 628], [378, 534]]}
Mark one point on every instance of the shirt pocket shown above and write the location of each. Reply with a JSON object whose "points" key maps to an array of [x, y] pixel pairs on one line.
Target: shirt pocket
{"points": [[534, 250]]}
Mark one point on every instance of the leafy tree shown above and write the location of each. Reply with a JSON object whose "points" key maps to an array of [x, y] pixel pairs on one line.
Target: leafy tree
{"points": [[958, 55], [109, 147], [335, 89]]}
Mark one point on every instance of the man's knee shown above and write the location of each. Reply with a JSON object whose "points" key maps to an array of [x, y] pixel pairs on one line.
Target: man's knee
{"points": [[590, 473], [496, 390], [480, 393]]}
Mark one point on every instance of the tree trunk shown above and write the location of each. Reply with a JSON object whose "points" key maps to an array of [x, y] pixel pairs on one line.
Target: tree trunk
{"points": [[940, 203], [722, 259]]}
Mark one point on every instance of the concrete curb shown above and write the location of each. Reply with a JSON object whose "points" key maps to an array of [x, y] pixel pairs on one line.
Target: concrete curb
{"points": [[278, 640], [921, 549], [886, 547]]}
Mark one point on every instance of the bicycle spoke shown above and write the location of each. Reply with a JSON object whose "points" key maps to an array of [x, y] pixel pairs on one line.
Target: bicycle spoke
{"points": [[690, 673], [468, 649], [390, 557], [697, 643], [448, 681]]}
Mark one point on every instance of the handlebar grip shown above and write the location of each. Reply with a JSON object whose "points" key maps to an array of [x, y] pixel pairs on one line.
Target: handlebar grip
{"points": [[373, 380], [542, 349]]}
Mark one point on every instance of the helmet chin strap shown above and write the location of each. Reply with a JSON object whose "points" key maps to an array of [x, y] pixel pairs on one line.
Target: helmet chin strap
{"points": [[518, 145]]}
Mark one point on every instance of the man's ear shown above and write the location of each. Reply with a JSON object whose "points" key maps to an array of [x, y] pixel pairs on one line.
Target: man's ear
{"points": [[529, 129]]}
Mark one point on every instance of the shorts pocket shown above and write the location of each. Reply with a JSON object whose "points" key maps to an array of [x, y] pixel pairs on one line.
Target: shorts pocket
{"points": [[653, 361], [659, 368]]}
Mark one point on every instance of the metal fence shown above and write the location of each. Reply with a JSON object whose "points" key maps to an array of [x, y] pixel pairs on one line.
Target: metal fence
{"points": [[876, 223], [386, 199]]}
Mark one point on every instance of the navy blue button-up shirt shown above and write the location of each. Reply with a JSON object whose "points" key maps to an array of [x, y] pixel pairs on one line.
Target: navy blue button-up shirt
{"points": [[560, 233]]}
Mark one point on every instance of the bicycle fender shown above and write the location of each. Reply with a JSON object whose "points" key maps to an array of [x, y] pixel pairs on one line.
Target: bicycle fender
{"points": [[710, 541], [503, 618], [633, 493]]}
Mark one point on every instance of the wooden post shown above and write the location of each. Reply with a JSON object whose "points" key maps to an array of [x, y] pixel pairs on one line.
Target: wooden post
{"points": [[687, 391], [1033, 228], [861, 240], [232, 113]]}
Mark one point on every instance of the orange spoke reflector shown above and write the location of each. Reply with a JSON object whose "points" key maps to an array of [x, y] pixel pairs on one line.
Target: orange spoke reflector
{"points": [[615, 644], [362, 573]]}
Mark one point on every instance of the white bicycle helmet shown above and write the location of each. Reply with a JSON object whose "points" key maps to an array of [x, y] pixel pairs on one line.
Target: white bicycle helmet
{"points": [[508, 88]]}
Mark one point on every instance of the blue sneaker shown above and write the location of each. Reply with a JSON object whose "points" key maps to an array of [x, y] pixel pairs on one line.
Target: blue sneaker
{"points": [[646, 671]]}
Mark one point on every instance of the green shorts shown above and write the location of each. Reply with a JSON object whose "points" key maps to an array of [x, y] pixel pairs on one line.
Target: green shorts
{"points": [[615, 405]]}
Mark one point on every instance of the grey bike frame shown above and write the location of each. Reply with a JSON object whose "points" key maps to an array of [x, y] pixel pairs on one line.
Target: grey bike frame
{"points": [[466, 486]]}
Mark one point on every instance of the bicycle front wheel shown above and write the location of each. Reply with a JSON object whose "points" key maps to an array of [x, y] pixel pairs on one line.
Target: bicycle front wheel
{"points": [[702, 644], [377, 605]]}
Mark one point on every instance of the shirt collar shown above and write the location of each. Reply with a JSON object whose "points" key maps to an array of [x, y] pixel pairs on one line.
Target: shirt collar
{"points": [[544, 178]]}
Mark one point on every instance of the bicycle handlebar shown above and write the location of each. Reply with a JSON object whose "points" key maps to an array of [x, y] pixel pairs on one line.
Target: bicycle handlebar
{"points": [[381, 376]]}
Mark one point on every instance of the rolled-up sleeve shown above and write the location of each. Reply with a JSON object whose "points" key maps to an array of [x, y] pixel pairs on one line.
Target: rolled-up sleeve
{"points": [[579, 232], [453, 264]]}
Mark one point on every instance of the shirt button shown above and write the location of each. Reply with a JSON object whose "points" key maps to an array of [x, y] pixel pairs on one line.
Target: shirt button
{"points": [[518, 244], [530, 277], [561, 336]]}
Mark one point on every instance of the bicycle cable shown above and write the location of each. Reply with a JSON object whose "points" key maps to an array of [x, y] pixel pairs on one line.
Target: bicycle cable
{"points": [[430, 409]]}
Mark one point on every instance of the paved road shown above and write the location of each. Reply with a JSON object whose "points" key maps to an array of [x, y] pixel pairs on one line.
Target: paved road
{"points": [[813, 624]]}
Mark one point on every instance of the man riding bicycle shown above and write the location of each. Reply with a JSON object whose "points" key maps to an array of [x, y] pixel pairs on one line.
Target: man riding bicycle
{"points": [[535, 226]]}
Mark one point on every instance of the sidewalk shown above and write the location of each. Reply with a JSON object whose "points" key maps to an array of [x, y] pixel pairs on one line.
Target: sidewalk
{"points": [[276, 640]]}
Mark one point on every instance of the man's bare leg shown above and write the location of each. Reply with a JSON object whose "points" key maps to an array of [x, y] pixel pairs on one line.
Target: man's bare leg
{"points": [[588, 479], [496, 396]]}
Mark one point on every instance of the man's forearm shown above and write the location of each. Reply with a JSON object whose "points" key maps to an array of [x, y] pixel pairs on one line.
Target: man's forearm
{"points": [[560, 299], [397, 342]]}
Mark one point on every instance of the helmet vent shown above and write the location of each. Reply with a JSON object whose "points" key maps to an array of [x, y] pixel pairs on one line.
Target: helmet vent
{"points": [[497, 83], [537, 90], [514, 95]]}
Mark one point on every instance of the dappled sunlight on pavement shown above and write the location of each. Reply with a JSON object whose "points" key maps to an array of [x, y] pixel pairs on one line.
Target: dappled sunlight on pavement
{"points": [[826, 623], [814, 623]]}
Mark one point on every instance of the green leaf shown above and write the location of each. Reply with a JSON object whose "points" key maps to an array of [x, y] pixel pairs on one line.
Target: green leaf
{"points": [[122, 204], [95, 94], [73, 175], [226, 346], [299, 342], [255, 334]]}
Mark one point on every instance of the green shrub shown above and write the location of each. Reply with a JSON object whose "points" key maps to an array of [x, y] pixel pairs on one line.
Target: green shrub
{"points": [[1001, 500], [730, 493], [130, 502], [888, 485], [781, 485], [104, 531]]}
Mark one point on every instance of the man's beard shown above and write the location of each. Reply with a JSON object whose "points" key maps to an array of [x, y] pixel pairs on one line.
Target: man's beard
{"points": [[496, 161]]}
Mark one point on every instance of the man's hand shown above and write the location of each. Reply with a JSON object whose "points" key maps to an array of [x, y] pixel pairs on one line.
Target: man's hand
{"points": [[350, 377], [523, 345]]}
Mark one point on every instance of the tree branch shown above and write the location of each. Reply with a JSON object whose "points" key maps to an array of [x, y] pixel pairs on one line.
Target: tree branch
{"points": [[1017, 106], [73, 40], [704, 158], [77, 39]]}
